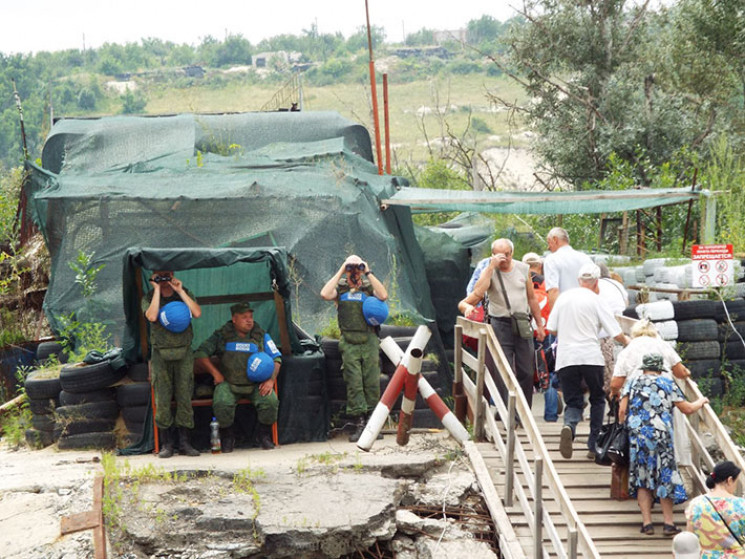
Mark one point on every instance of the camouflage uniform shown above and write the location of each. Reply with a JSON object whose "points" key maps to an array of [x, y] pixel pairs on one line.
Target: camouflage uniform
{"points": [[171, 369], [233, 368], [360, 349]]}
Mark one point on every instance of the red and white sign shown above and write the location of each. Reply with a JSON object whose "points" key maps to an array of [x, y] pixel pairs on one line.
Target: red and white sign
{"points": [[713, 265]]}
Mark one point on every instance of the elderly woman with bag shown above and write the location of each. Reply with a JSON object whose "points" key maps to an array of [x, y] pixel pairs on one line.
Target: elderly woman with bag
{"points": [[646, 406], [718, 517]]}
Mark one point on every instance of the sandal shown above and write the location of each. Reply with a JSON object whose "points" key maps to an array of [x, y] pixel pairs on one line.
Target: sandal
{"points": [[647, 529], [670, 529]]}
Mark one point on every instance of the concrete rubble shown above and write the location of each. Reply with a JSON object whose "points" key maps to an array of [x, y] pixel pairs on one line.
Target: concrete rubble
{"points": [[317, 500]]}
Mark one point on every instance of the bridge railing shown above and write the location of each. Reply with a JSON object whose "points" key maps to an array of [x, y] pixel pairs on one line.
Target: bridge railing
{"points": [[470, 401]]}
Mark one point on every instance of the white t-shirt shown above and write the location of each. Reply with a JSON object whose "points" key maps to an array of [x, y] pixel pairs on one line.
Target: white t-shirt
{"points": [[629, 360], [560, 268], [615, 296], [577, 318]]}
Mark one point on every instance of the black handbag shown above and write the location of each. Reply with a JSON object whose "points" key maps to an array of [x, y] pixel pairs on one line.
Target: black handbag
{"points": [[618, 450], [606, 435]]}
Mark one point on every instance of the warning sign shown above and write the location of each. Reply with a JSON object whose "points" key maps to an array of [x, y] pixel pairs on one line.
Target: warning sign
{"points": [[713, 265]]}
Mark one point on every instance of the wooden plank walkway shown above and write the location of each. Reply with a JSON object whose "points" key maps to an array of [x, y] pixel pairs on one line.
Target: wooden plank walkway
{"points": [[613, 525]]}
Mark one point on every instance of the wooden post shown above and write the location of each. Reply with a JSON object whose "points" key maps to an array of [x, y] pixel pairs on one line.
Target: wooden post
{"points": [[623, 241], [509, 458], [658, 215], [538, 510], [478, 412], [459, 396], [141, 320]]}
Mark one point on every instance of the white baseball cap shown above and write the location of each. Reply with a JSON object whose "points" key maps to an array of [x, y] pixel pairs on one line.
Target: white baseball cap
{"points": [[589, 271], [686, 546]]}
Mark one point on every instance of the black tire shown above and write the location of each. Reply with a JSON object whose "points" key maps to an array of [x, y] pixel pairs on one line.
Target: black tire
{"points": [[727, 333], [330, 348], [135, 414], [630, 312], [700, 350], [139, 372], [39, 439], [38, 388], [73, 398], [333, 367], [104, 440], [336, 389], [93, 410], [426, 419], [688, 310], [735, 308], [697, 330], [134, 394], [704, 368], [44, 422], [41, 407], [734, 350], [135, 429], [88, 378], [397, 331], [46, 349], [88, 426]]}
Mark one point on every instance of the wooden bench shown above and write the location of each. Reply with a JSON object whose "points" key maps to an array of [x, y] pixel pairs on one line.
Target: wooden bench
{"points": [[207, 402]]}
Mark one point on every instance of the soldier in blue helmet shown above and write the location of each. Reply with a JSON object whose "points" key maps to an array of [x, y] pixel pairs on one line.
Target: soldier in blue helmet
{"points": [[171, 358], [236, 345], [359, 344]]}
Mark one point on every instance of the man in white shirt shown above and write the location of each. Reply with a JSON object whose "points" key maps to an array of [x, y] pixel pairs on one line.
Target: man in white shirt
{"points": [[560, 268], [577, 319]]}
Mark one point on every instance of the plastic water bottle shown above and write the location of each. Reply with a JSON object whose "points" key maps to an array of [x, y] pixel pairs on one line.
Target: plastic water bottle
{"points": [[215, 436]]}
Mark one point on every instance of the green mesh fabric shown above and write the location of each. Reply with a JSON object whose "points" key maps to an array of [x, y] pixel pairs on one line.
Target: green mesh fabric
{"points": [[423, 200], [301, 181]]}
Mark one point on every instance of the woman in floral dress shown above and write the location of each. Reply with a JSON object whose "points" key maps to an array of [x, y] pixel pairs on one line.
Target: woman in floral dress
{"points": [[718, 517], [646, 405]]}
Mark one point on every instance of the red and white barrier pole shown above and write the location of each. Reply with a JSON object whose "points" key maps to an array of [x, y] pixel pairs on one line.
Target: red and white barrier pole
{"points": [[435, 403], [409, 400], [395, 385]]}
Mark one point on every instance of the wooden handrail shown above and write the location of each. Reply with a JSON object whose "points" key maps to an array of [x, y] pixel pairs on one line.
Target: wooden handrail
{"points": [[482, 332]]}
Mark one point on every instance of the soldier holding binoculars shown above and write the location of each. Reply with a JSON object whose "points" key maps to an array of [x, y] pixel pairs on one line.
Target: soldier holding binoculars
{"points": [[359, 344]]}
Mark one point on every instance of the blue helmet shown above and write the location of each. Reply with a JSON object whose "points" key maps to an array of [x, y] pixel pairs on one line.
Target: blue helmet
{"points": [[375, 311], [259, 367], [175, 317]]}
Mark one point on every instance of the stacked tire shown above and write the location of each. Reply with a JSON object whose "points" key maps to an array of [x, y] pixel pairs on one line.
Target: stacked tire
{"points": [[42, 393], [88, 406], [133, 396]]}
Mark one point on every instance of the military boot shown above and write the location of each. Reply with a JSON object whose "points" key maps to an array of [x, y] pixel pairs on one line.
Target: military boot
{"points": [[184, 444], [359, 427], [227, 438], [166, 443], [264, 435]]}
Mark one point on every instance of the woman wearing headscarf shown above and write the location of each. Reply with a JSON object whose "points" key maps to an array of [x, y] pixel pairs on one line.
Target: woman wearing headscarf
{"points": [[646, 406], [645, 339], [718, 517]]}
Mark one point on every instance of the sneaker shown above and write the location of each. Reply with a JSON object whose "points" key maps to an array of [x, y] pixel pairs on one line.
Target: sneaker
{"points": [[565, 443], [670, 530]]}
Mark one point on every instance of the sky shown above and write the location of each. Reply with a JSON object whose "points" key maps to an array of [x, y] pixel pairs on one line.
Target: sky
{"points": [[50, 25]]}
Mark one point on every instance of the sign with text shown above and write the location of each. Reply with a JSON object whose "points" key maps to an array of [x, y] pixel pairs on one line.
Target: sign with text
{"points": [[713, 265]]}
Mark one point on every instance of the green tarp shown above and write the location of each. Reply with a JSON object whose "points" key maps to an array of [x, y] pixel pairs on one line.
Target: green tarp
{"points": [[423, 200]]}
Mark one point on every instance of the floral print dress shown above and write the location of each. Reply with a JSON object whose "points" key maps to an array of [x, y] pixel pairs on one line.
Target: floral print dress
{"points": [[650, 423], [707, 523]]}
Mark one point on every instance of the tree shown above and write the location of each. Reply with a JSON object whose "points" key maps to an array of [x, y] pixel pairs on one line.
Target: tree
{"points": [[598, 88], [484, 29]]}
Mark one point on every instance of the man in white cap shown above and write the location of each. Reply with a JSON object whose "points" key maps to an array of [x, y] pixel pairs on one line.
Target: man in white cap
{"points": [[577, 319]]}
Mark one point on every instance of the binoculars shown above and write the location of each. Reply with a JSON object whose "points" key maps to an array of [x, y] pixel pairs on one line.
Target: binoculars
{"points": [[161, 279], [354, 267]]}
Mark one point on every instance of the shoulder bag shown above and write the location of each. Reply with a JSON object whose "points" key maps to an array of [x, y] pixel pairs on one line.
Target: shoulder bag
{"points": [[520, 320], [606, 435]]}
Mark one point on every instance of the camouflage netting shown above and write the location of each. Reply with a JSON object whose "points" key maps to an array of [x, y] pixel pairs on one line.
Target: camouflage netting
{"points": [[302, 181]]}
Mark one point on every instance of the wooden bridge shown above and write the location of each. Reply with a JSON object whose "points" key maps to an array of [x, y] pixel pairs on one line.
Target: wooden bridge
{"points": [[543, 505]]}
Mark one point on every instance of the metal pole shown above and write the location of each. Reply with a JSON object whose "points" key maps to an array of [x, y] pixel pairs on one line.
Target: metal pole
{"points": [[387, 126], [688, 216], [374, 93]]}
